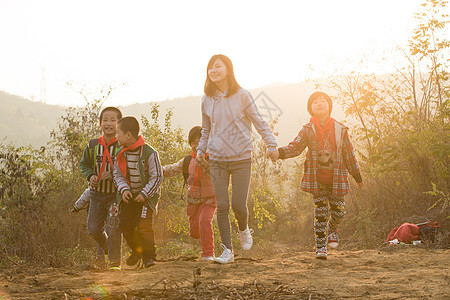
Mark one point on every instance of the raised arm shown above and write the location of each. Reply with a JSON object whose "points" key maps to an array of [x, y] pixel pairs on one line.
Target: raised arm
{"points": [[173, 169], [296, 147]]}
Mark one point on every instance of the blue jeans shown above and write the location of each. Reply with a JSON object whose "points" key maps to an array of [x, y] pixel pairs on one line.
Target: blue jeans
{"points": [[103, 225]]}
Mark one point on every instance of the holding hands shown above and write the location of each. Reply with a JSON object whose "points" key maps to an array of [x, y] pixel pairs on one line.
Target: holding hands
{"points": [[273, 155], [201, 161]]}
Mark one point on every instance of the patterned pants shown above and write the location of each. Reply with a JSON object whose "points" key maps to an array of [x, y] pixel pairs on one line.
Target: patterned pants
{"points": [[323, 216]]}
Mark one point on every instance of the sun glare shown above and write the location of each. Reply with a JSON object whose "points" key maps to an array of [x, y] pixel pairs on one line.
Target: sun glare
{"points": [[160, 53]]}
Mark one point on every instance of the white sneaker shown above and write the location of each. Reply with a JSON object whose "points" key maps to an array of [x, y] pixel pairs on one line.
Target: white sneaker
{"points": [[208, 258], [321, 253], [333, 239], [226, 257], [246, 238]]}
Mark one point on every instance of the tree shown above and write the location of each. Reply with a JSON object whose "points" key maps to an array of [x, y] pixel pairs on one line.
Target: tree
{"points": [[402, 119], [171, 144]]}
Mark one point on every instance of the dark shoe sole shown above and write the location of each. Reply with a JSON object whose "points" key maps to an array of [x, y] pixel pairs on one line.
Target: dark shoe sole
{"points": [[149, 263], [132, 260]]}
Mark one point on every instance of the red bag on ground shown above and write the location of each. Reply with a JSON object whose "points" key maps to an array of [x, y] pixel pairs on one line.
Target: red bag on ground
{"points": [[405, 233]]}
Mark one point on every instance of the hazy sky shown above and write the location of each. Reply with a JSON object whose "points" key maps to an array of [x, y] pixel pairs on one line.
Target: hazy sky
{"points": [[160, 49]]}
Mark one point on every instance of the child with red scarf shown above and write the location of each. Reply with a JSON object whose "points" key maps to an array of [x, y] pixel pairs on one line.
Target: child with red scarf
{"points": [[97, 167], [329, 159], [138, 176], [201, 203]]}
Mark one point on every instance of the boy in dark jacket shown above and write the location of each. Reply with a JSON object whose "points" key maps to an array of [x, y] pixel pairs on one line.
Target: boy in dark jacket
{"points": [[97, 167], [138, 176]]}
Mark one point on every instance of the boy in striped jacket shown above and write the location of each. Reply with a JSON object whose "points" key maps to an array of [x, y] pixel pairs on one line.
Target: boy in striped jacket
{"points": [[329, 159], [138, 176], [97, 166]]}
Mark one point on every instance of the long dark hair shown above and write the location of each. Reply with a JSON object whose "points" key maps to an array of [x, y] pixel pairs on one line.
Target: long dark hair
{"points": [[211, 87]]}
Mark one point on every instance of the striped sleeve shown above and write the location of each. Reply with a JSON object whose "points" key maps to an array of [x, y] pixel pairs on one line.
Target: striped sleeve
{"points": [[119, 180], [83, 200], [156, 175], [296, 147]]}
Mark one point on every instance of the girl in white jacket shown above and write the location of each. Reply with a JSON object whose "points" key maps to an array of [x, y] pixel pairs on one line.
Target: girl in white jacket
{"points": [[228, 112]]}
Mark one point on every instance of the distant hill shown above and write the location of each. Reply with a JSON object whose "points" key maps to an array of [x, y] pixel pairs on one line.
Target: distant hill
{"points": [[26, 122]]}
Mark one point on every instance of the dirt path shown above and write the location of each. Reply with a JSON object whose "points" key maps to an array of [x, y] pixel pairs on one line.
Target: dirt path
{"points": [[388, 274]]}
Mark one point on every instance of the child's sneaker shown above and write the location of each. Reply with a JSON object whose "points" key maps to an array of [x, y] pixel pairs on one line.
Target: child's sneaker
{"points": [[321, 253], [333, 239], [246, 238], [133, 259], [114, 266], [226, 257], [208, 258]]}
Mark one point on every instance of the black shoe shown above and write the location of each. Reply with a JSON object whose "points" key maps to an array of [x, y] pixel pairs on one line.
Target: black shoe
{"points": [[148, 262], [133, 259]]}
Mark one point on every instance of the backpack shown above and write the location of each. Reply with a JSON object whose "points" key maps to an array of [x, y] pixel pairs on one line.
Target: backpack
{"points": [[407, 232], [428, 230], [186, 162], [93, 145]]}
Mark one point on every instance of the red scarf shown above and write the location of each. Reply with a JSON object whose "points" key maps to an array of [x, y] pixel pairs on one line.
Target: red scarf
{"points": [[121, 160], [198, 172], [320, 132], [102, 141]]}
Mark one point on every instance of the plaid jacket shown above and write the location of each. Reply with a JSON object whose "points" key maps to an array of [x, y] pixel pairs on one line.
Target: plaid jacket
{"points": [[345, 162]]}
